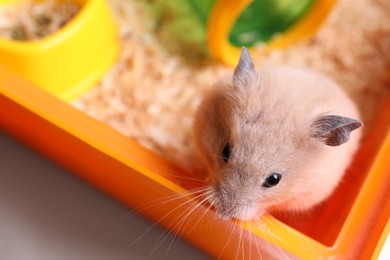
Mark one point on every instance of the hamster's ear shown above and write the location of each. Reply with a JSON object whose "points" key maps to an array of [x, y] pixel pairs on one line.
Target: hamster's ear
{"points": [[333, 130], [245, 69]]}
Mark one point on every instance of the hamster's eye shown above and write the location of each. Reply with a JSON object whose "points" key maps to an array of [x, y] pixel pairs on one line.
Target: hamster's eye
{"points": [[226, 152], [272, 180]]}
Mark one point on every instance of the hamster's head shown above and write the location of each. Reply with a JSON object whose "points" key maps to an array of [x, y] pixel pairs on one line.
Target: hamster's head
{"points": [[255, 158]]}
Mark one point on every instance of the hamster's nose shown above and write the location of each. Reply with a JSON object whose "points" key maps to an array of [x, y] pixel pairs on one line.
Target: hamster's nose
{"points": [[225, 214], [242, 210], [229, 205], [227, 209], [224, 208]]}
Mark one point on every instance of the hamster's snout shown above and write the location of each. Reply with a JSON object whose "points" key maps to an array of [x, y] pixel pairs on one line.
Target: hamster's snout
{"points": [[229, 205]]}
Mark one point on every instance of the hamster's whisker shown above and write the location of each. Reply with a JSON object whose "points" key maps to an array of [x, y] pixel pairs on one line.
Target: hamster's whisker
{"points": [[227, 211], [257, 248], [250, 240], [202, 216], [240, 244], [169, 230], [259, 224], [278, 238], [271, 235], [203, 194], [233, 227], [187, 178], [262, 225], [212, 204], [156, 203], [180, 224], [267, 220], [192, 200], [183, 219], [177, 225]]}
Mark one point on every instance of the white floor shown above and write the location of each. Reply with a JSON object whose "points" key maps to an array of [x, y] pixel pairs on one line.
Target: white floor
{"points": [[47, 213]]}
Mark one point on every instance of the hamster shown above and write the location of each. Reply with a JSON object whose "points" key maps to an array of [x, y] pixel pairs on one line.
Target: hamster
{"points": [[277, 139]]}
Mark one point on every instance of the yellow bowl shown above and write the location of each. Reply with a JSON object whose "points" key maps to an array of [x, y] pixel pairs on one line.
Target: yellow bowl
{"points": [[71, 60]]}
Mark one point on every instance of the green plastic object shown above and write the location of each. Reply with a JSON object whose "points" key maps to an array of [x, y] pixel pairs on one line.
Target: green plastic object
{"points": [[202, 9], [260, 21]]}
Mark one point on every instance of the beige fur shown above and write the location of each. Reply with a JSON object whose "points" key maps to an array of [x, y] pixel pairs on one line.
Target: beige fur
{"points": [[267, 117]]}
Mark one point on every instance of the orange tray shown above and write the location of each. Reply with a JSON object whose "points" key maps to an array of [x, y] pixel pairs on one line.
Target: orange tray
{"points": [[351, 224]]}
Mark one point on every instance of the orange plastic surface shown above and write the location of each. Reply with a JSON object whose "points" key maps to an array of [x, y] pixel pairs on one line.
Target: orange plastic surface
{"points": [[382, 241], [349, 225]]}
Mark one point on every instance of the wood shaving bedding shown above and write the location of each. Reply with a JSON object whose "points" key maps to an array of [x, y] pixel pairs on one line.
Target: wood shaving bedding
{"points": [[152, 93], [31, 21]]}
